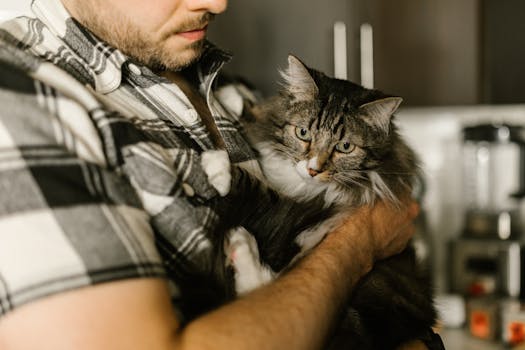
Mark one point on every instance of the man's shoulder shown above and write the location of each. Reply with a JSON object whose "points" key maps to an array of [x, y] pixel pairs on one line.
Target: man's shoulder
{"points": [[38, 103]]}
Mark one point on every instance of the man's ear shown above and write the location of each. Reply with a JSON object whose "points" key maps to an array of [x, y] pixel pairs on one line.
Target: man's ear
{"points": [[378, 113], [299, 81]]}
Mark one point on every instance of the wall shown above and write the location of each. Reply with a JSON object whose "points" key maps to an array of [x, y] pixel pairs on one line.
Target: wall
{"points": [[428, 52]]}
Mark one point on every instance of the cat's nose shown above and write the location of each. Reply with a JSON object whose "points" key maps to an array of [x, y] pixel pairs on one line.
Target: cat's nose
{"points": [[312, 172]]}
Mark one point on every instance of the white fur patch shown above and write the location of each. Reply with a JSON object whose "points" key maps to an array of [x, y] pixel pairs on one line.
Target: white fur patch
{"points": [[302, 169], [242, 253], [287, 177], [380, 188], [314, 163], [311, 237], [216, 165]]}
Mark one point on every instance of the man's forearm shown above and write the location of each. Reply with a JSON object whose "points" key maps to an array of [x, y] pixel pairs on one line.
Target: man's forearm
{"points": [[295, 312]]}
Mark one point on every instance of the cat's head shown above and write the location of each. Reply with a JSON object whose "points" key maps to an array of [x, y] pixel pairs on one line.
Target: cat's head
{"points": [[335, 131]]}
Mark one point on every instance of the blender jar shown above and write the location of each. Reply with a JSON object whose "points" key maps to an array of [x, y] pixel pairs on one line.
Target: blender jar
{"points": [[492, 169]]}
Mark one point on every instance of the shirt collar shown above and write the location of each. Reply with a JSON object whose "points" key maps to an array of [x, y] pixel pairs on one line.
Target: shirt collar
{"points": [[103, 62]]}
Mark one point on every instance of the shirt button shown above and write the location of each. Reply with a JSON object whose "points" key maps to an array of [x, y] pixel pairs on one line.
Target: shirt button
{"points": [[188, 190], [134, 69]]}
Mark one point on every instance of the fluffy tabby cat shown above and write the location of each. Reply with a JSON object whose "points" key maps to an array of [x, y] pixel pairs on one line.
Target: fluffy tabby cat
{"points": [[326, 146]]}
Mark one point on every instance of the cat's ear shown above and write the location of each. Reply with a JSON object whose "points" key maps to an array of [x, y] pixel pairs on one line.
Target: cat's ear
{"points": [[299, 81], [378, 113]]}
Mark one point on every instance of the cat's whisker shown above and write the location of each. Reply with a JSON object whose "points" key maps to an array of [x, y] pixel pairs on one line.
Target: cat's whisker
{"points": [[354, 177], [395, 173], [344, 180], [381, 172], [355, 181], [350, 176]]}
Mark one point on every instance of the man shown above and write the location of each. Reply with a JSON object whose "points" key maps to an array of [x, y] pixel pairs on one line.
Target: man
{"points": [[103, 196]]}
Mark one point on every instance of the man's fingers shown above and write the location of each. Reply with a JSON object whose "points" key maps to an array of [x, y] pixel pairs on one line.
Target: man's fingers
{"points": [[407, 231], [413, 210], [400, 242]]}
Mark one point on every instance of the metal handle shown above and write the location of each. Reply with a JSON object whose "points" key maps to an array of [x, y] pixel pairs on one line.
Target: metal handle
{"points": [[367, 55], [340, 68]]}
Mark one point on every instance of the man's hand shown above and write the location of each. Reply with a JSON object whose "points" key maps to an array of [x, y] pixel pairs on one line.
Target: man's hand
{"points": [[390, 227], [377, 231]]}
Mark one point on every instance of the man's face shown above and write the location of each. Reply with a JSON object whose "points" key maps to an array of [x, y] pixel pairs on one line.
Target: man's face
{"points": [[158, 33]]}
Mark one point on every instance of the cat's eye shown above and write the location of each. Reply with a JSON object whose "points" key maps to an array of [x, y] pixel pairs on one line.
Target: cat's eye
{"points": [[345, 147], [303, 134]]}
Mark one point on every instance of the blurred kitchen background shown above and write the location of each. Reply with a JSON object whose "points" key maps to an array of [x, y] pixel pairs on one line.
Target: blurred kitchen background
{"points": [[460, 67]]}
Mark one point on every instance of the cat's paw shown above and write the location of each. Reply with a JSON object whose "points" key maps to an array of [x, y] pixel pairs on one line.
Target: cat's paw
{"points": [[216, 165], [242, 254]]}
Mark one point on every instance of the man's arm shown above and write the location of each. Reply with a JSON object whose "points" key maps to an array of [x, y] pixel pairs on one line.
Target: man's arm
{"points": [[294, 312]]}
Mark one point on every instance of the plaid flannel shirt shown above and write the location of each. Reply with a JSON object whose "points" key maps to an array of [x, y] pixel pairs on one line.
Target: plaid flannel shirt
{"points": [[100, 174]]}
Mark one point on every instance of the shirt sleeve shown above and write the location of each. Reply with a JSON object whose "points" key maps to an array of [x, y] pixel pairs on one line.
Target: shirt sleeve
{"points": [[67, 220]]}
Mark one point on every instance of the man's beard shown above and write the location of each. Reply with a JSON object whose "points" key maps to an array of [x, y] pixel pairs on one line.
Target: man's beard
{"points": [[152, 52], [158, 57]]}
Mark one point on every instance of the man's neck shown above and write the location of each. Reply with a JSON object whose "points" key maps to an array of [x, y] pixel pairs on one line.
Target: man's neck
{"points": [[198, 101]]}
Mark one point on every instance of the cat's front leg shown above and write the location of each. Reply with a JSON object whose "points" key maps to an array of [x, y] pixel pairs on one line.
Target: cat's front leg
{"points": [[243, 255], [216, 165]]}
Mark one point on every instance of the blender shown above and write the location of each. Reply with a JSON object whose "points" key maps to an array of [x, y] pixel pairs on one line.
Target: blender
{"points": [[486, 259], [493, 180]]}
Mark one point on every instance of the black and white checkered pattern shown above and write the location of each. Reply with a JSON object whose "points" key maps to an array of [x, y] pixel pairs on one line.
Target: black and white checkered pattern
{"points": [[100, 176]]}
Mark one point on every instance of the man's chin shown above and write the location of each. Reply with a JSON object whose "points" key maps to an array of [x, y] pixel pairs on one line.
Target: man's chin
{"points": [[177, 58], [167, 57]]}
